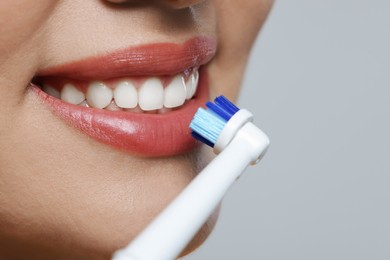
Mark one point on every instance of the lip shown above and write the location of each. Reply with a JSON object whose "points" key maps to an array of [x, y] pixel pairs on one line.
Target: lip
{"points": [[150, 59], [140, 134]]}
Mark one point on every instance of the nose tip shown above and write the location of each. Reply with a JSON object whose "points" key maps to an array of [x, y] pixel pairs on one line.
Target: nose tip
{"points": [[175, 4]]}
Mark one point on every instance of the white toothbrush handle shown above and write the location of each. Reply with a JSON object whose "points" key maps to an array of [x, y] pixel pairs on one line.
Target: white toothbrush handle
{"points": [[171, 231]]}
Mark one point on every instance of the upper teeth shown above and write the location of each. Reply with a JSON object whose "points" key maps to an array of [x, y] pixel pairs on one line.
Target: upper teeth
{"points": [[175, 93], [99, 95], [150, 95], [71, 94], [192, 84], [126, 95]]}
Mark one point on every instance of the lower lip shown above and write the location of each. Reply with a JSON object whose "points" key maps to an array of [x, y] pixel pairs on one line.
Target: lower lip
{"points": [[136, 133]]}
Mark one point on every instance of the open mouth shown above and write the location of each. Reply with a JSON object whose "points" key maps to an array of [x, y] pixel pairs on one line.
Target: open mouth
{"points": [[140, 100], [139, 94]]}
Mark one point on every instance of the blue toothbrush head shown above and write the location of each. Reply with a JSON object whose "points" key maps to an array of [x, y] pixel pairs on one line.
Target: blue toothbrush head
{"points": [[208, 123]]}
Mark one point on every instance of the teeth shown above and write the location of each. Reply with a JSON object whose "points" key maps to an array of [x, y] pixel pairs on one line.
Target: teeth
{"points": [[175, 92], [71, 94], [125, 95], [51, 91], [99, 95], [151, 95], [192, 85]]}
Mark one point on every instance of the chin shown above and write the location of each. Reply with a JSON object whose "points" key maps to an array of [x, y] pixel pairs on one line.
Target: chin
{"points": [[90, 211]]}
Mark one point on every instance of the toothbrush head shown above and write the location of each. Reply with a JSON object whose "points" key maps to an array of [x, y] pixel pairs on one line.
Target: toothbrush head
{"points": [[207, 124], [218, 123]]}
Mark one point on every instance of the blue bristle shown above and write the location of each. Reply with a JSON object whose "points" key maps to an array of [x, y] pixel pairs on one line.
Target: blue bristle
{"points": [[223, 107], [226, 105], [218, 110], [200, 138], [208, 125]]}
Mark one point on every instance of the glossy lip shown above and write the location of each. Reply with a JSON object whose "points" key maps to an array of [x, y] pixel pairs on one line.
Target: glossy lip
{"points": [[145, 60], [137, 133]]}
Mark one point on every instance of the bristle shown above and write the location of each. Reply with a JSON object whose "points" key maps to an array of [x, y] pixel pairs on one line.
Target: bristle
{"points": [[201, 139], [223, 107], [207, 125], [218, 110], [227, 105]]}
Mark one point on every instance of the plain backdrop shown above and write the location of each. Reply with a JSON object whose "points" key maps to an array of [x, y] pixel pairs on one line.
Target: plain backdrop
{"points": [[318, 83]]}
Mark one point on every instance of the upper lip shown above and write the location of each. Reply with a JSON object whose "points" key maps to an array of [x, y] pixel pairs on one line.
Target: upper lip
{"points": [[142, 134], [150, 59]]}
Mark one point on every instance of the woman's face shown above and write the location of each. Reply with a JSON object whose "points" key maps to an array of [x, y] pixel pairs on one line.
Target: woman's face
{"points": [[83, 175]]}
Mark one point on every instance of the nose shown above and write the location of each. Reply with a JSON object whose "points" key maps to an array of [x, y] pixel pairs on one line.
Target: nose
{"points": [[175, 4]]}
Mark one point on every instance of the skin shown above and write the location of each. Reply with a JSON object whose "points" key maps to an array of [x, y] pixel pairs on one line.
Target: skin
{"points": [[56, 204]]}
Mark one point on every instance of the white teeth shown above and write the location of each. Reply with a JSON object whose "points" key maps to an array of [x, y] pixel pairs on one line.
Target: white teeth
{"points": [[192, 85], [125, 95], [71, 94], [99, 95], [151, 95], [51, 91], [175, 92]]}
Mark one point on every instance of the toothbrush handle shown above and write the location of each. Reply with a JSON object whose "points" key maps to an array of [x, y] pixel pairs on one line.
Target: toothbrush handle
{"points": [[170, 232]]}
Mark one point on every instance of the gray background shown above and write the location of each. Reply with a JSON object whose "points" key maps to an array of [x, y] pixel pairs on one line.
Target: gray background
{"points": [[318, 84]]}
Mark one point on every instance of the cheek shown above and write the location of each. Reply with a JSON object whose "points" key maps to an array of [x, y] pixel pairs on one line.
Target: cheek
{"points": [[20, 20], [249, 15], [238, 23], [21, 30]]}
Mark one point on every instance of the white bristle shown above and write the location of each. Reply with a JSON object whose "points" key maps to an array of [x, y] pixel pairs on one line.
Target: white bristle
{"points": [[207, 124]]}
